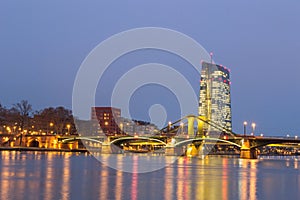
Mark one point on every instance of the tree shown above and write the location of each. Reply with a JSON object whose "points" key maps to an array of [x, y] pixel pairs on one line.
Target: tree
{"points": [[57, 120], [2, 115], [24, 109]]}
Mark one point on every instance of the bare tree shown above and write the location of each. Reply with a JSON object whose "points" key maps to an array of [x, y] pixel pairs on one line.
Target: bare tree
{"points": [[2, 115], [58, 120], [24, 109]]}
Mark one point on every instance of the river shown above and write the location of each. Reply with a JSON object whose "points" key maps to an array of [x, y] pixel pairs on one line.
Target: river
{"points": [[63, 175]]}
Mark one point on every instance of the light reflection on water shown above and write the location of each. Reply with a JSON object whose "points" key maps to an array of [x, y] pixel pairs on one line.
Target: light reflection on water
{"points": [[41, 175]]}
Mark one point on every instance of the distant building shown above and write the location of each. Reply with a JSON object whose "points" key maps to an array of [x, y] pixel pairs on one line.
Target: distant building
{"points": [[111, 123], [108, 118], [215, 102], [136, 127]]}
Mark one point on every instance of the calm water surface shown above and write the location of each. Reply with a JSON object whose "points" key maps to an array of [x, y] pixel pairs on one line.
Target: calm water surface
{"points": [[48, 175]]}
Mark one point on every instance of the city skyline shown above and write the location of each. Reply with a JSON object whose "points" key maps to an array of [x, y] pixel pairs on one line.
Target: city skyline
{"points": [[149, 99], [43, 45]]}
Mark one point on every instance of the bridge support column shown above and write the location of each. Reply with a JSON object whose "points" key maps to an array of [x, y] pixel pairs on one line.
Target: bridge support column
{"points": [[201, 150], [191, 127], [191, 151], [200, 131], [247, 152], [105, 149], [170, 151]]}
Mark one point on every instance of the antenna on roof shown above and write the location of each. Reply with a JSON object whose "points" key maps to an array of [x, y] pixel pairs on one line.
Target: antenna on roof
{"points": [[211, 55]]}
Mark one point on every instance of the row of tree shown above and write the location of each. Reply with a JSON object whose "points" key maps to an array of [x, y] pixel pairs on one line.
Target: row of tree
{"points": [[22, 118]]}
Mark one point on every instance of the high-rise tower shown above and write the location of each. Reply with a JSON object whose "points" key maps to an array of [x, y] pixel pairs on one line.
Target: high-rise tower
{"points": [[214, 102]]}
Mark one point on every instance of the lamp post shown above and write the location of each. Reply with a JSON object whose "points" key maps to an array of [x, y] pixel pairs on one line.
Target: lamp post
{"points": [[253, 128], [169, 126], [122, 128], [68, 127], [211, 56], [51, 124], [245, 124], [181, 126]]}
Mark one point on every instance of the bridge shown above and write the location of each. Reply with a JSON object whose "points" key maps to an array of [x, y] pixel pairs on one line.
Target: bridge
{"points": [[171, 141], [248, 145]]}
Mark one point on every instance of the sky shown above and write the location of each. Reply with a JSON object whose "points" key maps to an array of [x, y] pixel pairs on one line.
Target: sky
{"points": [[43, 44]]}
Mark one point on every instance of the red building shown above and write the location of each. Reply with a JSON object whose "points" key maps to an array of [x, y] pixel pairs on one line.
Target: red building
{"points": [[108, 118]]}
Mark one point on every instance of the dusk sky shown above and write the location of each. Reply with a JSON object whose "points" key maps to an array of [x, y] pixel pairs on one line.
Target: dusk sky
{"points": [[43, 43]]}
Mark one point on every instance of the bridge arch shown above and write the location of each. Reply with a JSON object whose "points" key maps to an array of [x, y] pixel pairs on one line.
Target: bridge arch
{"points": [[266, 143], [136, 138], [34, 142], [208, 139], [81, 138]]}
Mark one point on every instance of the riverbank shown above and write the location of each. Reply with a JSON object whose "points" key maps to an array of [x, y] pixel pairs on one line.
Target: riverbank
{"points": [[128, 153], [40, 149]]}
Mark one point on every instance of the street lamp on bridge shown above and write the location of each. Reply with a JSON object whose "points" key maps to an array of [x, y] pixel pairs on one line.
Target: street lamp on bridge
{"points": [[169, 126], [245, 124], [181, 126], [253, 128]]}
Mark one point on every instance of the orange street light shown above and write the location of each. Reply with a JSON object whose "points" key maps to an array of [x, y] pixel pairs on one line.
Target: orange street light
{"points": [[68, 127]]}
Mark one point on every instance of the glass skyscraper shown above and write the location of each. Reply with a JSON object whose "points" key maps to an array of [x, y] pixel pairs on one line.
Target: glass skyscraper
{"points": [[214, 102]]}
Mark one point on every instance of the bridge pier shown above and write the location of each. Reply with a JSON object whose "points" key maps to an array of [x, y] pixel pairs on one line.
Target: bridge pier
{"points": [[248, 154], [191, 151], [174, 151], [191, 120], [170, 151], [106, 149], [200, 131], [246, 151], [201, 150]]}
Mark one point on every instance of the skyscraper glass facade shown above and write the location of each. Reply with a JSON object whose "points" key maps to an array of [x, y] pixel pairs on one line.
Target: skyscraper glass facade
{"points": [[215, 102]]}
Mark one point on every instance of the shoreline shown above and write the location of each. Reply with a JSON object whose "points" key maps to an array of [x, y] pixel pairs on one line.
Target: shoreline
{"points": [[41, 149], [37, 149]]}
